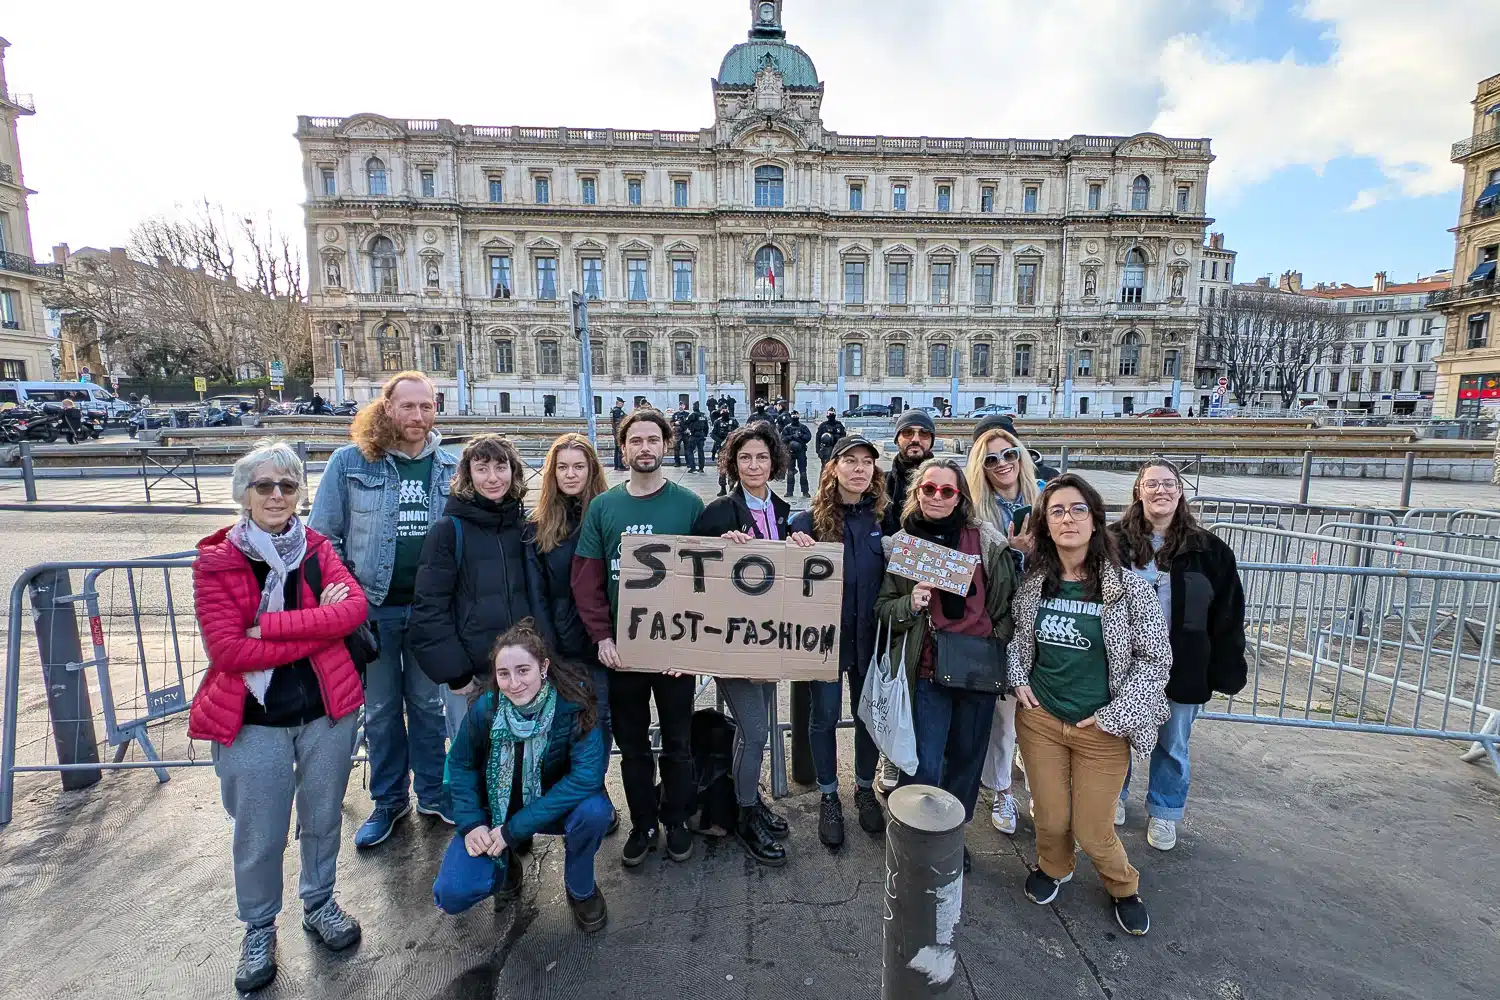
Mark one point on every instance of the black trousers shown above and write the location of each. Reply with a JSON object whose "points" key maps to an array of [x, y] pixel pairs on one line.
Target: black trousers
{"points": [[695, 451], [677, 451], [797, 464], [630, 697], [619, 458]]}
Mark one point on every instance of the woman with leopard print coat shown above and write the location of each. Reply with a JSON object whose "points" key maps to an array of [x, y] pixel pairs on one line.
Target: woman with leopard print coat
{"points": [[1089, 660]]}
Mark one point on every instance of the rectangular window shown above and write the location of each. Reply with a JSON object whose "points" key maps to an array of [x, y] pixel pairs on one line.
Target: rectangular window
{"points": [[505, 357], [639, 358], [1427, 327], [944, 198], [1403, 328], [1023, 361], [898, 197], [1333, 381], [598, 359], [546, 277], [1359, 354], [497, 189], [543, 190], [633, 190], [1400, 353], [895, 360], [682, 358], [1374, 381], [1338, 354], [1029, 197], [682, 280], [1085, 364], [1227, 266], [1215, 271], [635, 272], [1354, 381], [12, 370], [984, 284], [500, 276], [1096, 193], [435, 352], [1169, 364], [1382, 327], [942, 283], [679, 193], [1184, 197], [1026, 284], [937, 361], [987, 198], [548, 358], [854, 282], [979, 360], [1379, 354], [856, 197], [590, 191], [330, 184], [896, 281], [429, 184], [505, 402], [854, 360], [1210, 295], [1424, 352], [1398, 378], [1479, 330], [593, 277], [769, 187], [10, 311]]}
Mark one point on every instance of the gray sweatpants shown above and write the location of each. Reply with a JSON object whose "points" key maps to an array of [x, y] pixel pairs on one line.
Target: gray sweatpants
{"points": [[750, 703], [260, 774]]}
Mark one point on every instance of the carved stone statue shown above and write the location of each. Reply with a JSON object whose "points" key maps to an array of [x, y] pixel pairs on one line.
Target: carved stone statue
{"points": [[432, 273], [1090, 283], [1177, 283], [333, 277]]}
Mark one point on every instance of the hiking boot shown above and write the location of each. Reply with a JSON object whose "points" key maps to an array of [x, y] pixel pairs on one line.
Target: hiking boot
{"points": [[257, 965], [641, 842], [754, 836], [1041, 888], [679, 842], [1003, 813], [510, 885], [1131, 915], [775, 824], [831, 821], [379, 826], [589, 914], [871, 816], [890, 776], [335, 928], [1161, 834]]}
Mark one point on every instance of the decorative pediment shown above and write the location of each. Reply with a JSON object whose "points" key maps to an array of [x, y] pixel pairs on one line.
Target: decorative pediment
{"points": [[500, 332], [543, 243], [769, 133], [370, 127], [898, 250], [432, 252], [1030, 250], [942, 250], [1145, 144], [1091, 261], [855, 250], [681, 246], [770, 88], [589, 244], [769, 349], [1124, 249], [635, 246], [985, 250], [496, 243]]}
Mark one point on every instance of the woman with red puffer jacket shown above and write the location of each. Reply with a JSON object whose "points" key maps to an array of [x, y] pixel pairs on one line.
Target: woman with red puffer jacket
{"points": [[278, 701]]}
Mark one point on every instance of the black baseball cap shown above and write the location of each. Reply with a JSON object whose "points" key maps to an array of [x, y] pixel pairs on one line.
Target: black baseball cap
{"points": [[850, 441]]}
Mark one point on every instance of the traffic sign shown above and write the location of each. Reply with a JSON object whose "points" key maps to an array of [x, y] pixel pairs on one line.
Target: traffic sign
{"points": [[200, 384], [1223, 382], [114, 382], [278, 375]]}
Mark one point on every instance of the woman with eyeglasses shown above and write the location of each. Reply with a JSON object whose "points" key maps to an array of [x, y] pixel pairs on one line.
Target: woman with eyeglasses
{"points": [[1198, 585], [952, 723], [1089, 662], [1003, 482]]}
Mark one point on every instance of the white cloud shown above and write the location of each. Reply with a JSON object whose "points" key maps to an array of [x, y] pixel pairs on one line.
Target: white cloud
{"points": [[1368, 198]]}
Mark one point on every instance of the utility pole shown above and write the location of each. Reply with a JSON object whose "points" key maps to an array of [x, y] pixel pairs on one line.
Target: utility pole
{"points": [[580, 308]]}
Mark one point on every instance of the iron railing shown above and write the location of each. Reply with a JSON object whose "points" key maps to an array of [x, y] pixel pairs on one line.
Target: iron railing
{"points": [[25, 265], [1459, 293], [1476, 143]]}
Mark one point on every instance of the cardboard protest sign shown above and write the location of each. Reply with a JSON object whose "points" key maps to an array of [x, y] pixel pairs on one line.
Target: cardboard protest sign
{"points": [[763, 610], [928, 562]]}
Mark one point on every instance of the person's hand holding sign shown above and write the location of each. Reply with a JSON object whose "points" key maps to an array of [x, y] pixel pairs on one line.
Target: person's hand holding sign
{"points": [[921, 596], [802, 540]]}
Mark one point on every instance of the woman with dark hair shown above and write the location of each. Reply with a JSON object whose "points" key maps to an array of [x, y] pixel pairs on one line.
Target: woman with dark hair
{"points": [[752, 458], [952, 723], [528, 759], [847, 507], [473, 580], [1198, 584], [1089, 662]]}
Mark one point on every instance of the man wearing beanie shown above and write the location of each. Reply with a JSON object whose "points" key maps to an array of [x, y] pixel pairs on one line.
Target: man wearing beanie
{"points": [[915, 433]]}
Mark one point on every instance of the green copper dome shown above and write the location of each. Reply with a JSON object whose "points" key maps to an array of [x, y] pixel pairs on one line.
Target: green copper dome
{"points": [[745, 60]]}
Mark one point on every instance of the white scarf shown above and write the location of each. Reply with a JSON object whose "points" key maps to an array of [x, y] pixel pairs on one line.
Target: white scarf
{"points": [[281, 553]]}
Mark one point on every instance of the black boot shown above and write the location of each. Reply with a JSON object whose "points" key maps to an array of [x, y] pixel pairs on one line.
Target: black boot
{"points": [[757, 840], [774, 823], [871, 816], [510, 888], [831, 821]]}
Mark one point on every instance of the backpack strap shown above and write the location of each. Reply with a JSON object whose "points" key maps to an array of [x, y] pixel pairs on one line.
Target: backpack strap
{"points": [[313, 574]]}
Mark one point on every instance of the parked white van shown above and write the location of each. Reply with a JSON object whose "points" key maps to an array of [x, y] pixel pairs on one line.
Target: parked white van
{"points": [[89, 395]]}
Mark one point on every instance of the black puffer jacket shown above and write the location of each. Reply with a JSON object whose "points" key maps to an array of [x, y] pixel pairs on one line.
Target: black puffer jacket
{"points": [[460, 610], [796, 435], [559, 619]]}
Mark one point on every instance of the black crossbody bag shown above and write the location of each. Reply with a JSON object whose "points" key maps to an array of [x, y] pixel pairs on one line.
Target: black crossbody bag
{"points": [[363, 643], [970, 662]]}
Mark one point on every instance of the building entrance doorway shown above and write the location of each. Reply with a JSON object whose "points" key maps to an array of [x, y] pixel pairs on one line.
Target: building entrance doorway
{"points": [[770, 371]]}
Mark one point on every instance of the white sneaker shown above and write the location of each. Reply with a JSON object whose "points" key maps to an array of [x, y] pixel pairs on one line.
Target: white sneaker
{"points": [[890, 776], [1003, 813], [1161, 834], [1119, 812]]}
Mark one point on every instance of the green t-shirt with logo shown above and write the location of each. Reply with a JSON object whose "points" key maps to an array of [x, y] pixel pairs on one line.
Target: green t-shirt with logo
{"points": [[1071, 674], [671, 510], [413, 517]]}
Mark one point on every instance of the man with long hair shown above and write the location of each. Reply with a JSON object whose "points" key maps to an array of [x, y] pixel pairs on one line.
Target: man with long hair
{"points": [[375, 502]]}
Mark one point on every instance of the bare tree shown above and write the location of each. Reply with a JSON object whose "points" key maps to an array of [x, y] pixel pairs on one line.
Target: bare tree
{"points": [[1269, 339]]}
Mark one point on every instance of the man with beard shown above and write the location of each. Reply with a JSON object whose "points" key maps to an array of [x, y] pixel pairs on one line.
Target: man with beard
{"points": [[645, 504], [915, 433], [829, 432], [374, 504]]}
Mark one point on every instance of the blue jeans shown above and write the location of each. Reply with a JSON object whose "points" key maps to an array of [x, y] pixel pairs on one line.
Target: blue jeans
{"points": [[823, 736], [392, 683], [463, 881], [1166, 794], [953, 735]]}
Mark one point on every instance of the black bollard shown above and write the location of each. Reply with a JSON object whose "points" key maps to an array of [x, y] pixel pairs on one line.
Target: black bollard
{"points": [[803, 772], [68, 703], [924, 883]]}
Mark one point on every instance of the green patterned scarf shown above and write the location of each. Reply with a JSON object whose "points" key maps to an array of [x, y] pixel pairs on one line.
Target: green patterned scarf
{"points": [[530, 725]]}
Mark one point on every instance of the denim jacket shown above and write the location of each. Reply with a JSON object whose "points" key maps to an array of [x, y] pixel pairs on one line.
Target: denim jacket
{"points": [[356, 510]]}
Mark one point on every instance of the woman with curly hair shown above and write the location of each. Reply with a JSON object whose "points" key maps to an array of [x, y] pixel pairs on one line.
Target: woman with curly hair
{"points": [[1089, 662], [847, 507]]}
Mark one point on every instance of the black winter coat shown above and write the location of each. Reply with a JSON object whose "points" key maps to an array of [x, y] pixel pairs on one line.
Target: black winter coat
{"points": [[697, 425], [731, 513], [864, 570], [1208, 620], [459, 611], [829, 432], [897, 483], [722, 428], [559, 621], [796, 435]]}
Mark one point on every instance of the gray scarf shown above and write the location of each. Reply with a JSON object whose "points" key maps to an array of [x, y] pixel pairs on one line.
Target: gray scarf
{"points": [[282, 554]]}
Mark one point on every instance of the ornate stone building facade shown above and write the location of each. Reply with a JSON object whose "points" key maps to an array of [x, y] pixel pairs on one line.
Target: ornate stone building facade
{"points": [[767, 245]]}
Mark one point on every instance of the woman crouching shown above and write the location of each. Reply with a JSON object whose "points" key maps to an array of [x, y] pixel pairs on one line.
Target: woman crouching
{"points": [[529, 758]]}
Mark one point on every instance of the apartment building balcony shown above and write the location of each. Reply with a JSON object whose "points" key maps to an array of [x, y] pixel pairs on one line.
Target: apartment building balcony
{"points": [[1463, 293], [1465, 148], [19, 264]]}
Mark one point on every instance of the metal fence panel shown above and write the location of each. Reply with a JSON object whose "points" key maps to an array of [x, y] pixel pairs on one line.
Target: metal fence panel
{"points": [[1284, 515]]}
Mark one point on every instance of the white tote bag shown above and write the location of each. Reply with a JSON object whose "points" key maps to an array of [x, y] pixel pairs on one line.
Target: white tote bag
{"points": [[885, 707]]}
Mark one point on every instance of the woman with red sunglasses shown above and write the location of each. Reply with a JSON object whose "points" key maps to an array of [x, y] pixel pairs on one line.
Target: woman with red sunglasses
{"points": [[952, 722]]}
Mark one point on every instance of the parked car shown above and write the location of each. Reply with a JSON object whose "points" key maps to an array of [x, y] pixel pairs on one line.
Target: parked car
{"points": [[869, 410], [1158, 411], [89, 395], [993, 410], [931, 411]]}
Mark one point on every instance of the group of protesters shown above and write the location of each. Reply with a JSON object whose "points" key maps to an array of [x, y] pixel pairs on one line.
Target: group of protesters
{"points": [[478, 634]]}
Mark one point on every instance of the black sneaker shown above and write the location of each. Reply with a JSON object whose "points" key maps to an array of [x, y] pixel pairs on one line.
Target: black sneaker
{"points": [[679, 842], [831, 821], [510, 887], [871, 816], [722, 493], [968, 861], [775, 823], [640, 843], [1130, 913], [751, 831], [589, 914], [1041, 888]]}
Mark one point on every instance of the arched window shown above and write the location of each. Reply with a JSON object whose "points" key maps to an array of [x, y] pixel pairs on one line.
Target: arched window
{"points": [[388, 342], [1133, 286], [383, 265], [1140, 192], [768, 187], [375, 173], [1130, 354], [770, 272]]}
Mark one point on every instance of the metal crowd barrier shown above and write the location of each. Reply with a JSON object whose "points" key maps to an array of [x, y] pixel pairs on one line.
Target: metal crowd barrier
{"points": [[1284, 515]]}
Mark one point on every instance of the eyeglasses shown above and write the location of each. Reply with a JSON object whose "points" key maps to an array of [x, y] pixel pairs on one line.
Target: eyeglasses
{"points": [[930, 490], [1163, 485], [1073, 512], [1007, 457], [288, 487]]}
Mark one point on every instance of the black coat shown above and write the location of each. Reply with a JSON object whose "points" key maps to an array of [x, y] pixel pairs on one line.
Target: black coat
{"points": [[864, 570], [1208, 620], [722, 428], [459, 611], [559, 621], [829, 432], [697, 425], [731, 513], [796, 435], [897, 483]]}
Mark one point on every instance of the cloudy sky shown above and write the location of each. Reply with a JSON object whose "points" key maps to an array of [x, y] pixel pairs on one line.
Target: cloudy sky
{"points": [[1331, 119]]}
